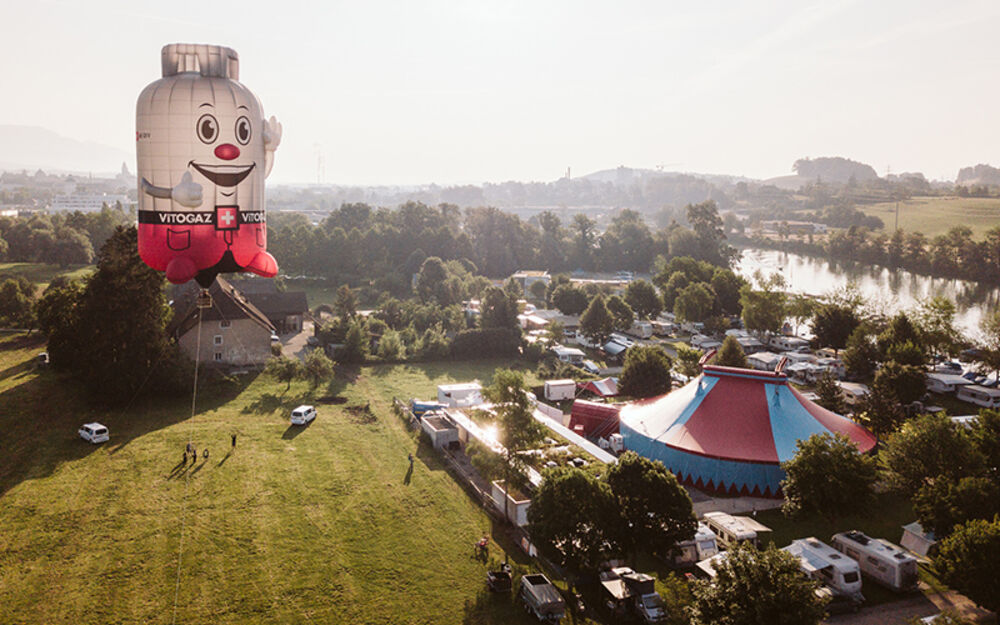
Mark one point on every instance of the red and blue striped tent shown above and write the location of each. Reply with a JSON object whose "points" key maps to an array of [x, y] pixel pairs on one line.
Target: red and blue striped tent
{"points": [[729, 429]]}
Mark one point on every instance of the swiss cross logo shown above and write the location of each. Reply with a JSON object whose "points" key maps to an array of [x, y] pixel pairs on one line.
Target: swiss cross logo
{"points": [[227, 218]]}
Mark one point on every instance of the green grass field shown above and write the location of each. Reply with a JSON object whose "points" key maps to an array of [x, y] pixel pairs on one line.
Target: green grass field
{"points": [[936, 215], [317, 524], [43, 274]]}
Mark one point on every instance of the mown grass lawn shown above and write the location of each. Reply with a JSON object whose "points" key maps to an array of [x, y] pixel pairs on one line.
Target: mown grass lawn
{"points": [[41, 274], [936, 215], [316, 524]]}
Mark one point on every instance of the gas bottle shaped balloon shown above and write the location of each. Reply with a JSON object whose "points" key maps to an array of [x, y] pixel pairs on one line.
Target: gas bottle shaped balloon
{"points": [[203, 148]]}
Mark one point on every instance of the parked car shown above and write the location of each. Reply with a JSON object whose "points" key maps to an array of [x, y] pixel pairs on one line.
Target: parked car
{"points": [[591, 367], [275, 338], [303, 415], [93, 433]]}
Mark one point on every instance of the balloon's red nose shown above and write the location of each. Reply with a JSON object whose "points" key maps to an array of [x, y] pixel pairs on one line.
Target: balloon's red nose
{"points": [[227, 151]]}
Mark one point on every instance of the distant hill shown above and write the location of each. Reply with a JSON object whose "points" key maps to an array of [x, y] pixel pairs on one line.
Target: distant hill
{"points": [[624, 176], [980, 174], [834, 169], [32, 147]]}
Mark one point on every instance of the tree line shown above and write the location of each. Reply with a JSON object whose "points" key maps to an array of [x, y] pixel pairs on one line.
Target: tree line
{"points": [[62, 239]]}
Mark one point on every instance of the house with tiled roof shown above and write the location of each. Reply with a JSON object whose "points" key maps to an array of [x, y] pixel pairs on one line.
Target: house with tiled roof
{"points": [[234, 332]]}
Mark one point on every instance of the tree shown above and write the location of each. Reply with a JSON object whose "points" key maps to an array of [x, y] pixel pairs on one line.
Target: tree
{"points": [[707, 225], [833, 324], [935, 320], [942, 504], [899, 330], [764, 309], [829, 393], [906, 354], [117, 333], [317, 368], [499, 309], [985, 435], [432, 282], [908, 383], [926, 447], [537, 291], [753, 587], [642, 297], [355, 348], [517, 429], [880, 410], [646, 371], [571, 519], [677, 281], [688, 359], [655, 509], [731, 354], [621, 312], [284, 369], [596, 322], [967, 561], [58, 312], [694, 303], [861, 354], [346, 303], [726, 285], [17, 298], [800, 308], [569, 299], [828, 476], [989, 327]]}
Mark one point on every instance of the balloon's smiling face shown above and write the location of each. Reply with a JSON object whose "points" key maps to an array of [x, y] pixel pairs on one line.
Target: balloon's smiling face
{"points": [[227, 166], [209, 128]]}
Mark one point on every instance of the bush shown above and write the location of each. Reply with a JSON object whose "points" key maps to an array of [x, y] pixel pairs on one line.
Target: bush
{"points": [[491, 342]]}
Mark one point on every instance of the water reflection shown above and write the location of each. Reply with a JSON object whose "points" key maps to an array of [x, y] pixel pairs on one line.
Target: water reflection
{"points": [[887, 290]]}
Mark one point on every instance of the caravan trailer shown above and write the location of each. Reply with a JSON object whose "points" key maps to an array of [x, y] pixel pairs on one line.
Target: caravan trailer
{"points": [[826, 565], [979, 395], [734, 529], [701, 547], [882, 561]]}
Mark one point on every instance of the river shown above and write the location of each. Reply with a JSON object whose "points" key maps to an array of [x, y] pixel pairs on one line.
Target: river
{"points": [[888, 290]]}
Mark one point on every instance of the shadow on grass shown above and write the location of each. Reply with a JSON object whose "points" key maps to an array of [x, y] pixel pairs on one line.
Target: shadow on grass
{"points": [[24, 341], [39, 419], [224, 458], [428, 455], [18, 369], [489, 607], [294, 430], [409, 475]]}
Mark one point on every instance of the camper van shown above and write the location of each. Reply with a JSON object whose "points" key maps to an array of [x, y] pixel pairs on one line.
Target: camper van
{"points": [[731, 529], [701, 547], [882, 561], [826, 565], [979, 395], [641, 329]]}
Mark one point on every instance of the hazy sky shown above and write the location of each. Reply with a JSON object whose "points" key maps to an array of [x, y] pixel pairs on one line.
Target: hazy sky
{"points": [[467, 91]]}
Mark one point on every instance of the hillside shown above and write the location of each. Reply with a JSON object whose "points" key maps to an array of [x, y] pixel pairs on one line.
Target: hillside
{"points": [[936, 215], [31, 148]]}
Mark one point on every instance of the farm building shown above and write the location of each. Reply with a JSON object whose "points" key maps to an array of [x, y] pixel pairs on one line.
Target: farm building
{"points": [[729, 429], [461, 395]]}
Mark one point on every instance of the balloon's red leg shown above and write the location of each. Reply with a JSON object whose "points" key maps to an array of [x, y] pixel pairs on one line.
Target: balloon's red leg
{"points": [[181, 269], [264, 265]]}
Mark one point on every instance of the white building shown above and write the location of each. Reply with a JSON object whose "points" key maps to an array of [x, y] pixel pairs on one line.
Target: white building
{"points": [[461, 395], [87, 202], [559, 390], [853, 392]]}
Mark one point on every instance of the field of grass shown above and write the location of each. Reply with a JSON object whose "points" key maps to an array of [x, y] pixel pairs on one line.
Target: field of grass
{"points": [[42, 274], [936, 215], [317, 524]]}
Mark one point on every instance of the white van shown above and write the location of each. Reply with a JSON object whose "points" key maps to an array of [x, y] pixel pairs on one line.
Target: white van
{"points": [[303, 415], [93, 433]]}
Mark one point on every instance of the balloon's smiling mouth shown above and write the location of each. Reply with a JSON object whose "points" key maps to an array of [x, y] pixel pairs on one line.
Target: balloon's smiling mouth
{"points": [[224, 175]]}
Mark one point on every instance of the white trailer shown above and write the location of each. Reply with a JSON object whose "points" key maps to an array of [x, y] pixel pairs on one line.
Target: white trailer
{"points": [[826, 565], [880, 560], [734, 529], [703, 546], [558, 390], [979, 395], [641, 329]]}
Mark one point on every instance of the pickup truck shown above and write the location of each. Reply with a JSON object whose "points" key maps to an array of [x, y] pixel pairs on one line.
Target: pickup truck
{"points": [[541, 599]]}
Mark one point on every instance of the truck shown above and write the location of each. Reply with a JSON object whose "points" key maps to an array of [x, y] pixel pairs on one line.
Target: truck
{"points": [[627, 591], [541, 599]]}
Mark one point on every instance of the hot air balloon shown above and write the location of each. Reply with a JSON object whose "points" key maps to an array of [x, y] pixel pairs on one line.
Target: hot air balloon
{"points": [[203, 148]]}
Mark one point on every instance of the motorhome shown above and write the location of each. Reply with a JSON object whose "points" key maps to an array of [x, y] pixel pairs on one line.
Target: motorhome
{"points": [[882, 561], [979, 395], [788, 343], [704, 545], [945, 382], [641, 329], [731, 529], [826, 565]]}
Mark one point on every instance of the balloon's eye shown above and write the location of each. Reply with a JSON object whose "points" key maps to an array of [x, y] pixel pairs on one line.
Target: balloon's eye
{"points": [[208, 129], [243, 130]]}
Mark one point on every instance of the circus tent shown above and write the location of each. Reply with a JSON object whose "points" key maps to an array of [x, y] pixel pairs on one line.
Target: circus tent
{"points": [[729, 429]]}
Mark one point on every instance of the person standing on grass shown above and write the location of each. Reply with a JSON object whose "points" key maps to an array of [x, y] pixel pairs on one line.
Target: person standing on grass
{"points": [[410, 456], [234, 439]]}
